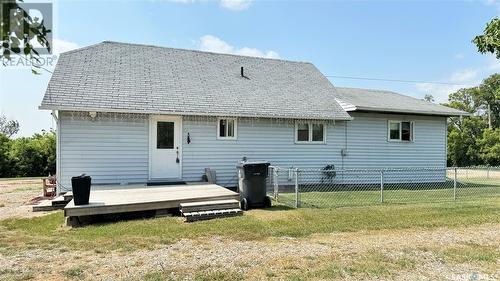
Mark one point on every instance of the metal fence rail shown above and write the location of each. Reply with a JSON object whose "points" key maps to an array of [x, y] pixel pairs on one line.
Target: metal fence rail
{"points": [[354, 187]]}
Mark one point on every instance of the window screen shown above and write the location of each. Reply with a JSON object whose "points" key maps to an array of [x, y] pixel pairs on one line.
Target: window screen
{"points": [[222, 127], [303, 132], [165, 135], [317, 132], [406, 131], [394, 130]]}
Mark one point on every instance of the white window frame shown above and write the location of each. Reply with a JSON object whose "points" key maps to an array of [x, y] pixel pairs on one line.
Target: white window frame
{"points": [[412, 127], [235, 129], [310, 135]]}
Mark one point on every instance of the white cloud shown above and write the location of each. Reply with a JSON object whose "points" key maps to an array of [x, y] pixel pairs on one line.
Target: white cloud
{"points": [[463, 76], [461, 79], [61, 46], [236, 5], [495, 3], [458, 56], [214, 44]]}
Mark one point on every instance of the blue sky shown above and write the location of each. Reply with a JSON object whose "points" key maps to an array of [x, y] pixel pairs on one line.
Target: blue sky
{"points": [[408, 40]]}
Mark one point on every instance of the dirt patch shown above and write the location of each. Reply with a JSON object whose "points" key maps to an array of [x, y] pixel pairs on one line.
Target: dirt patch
{"points": [[17, 196], [411, 254]]}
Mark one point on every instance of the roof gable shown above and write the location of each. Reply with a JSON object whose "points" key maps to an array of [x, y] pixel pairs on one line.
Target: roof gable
{"points": [[352, 99]]}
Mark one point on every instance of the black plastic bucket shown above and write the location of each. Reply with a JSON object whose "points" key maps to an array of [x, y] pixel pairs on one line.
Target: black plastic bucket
{"points": [[81, 189]]}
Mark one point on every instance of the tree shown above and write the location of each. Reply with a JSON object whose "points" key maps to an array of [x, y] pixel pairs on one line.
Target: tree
{"points": [[470, 141], [33, 156], [463, 150], [488, 99], [489, 42], [8, 127], [490, 147], [429, 98], [19, 32], [5, 164]]}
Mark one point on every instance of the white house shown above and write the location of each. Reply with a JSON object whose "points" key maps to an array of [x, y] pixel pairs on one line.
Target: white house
{"points": [[130, 113]]}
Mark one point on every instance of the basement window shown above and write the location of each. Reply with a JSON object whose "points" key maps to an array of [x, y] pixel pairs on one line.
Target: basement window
{"points": [[310, 132], [226, 128], [400, 131]]}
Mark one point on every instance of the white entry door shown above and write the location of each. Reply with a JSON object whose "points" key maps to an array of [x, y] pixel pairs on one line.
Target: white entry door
{"points": [[165, 147]]}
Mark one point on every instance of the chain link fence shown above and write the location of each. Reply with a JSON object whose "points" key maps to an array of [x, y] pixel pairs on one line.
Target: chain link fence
{"points": [[324, 188]]}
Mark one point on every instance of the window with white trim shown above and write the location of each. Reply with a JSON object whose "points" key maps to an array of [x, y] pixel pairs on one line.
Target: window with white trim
{"points": [[226, 128], [310, 132], [400, 131]]}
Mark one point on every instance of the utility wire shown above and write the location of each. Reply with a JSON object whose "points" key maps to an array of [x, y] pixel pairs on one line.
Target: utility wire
{"points": [[393, 80]]}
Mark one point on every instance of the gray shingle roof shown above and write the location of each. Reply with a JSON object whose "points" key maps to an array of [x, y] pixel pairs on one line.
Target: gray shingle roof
{"points": [[112, 76], [386, 101]]}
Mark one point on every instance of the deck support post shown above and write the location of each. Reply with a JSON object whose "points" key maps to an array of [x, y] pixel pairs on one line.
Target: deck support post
{"points": [[381, 186], [297, 195], [455, 184]]}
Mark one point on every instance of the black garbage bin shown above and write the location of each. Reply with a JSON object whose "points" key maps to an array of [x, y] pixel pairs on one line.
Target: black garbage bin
{"points": [[252, 184], [81, 189]]}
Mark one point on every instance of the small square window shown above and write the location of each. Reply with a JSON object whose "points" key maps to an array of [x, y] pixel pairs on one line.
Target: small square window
{"points": [[309, 132], [226, 128], [400, 131]]}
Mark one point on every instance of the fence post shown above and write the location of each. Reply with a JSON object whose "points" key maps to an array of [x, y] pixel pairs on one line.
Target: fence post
{"points": [[381, 186], [297, 198], [275, 182], [488, 172], [455, 185]]}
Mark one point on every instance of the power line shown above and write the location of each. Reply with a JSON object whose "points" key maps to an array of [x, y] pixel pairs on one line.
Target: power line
{"points": [[394, 80]]}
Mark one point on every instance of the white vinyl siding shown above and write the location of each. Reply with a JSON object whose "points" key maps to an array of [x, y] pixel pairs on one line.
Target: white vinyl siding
{"points": [[258, 139], [112, 149], [115, 147], [367, 145], [263, 139]]}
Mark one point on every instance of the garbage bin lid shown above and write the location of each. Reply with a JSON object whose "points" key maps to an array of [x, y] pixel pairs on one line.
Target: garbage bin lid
{"points": [[253, 162]]}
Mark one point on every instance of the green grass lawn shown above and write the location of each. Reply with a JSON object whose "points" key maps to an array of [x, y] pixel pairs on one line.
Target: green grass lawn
{"points": [[22, 178], [337, 195], [48, 232]]}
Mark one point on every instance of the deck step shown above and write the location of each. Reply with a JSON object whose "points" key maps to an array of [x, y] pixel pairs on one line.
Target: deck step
{"points": [[47, 205], [209, 205], [206, 215], [68, 196], [59, 201]]}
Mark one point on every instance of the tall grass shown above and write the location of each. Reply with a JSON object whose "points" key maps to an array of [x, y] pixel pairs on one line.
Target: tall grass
{"points": [[48, 231]]}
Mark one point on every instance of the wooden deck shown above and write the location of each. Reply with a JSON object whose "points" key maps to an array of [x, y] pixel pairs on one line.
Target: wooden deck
{"points": [[145, 198]]}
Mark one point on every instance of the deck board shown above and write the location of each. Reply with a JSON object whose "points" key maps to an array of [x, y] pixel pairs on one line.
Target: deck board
{"points": [[142, 198]]}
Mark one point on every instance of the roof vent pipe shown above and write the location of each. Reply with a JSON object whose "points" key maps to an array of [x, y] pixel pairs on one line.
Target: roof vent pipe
{"points": [[243, 74]]}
